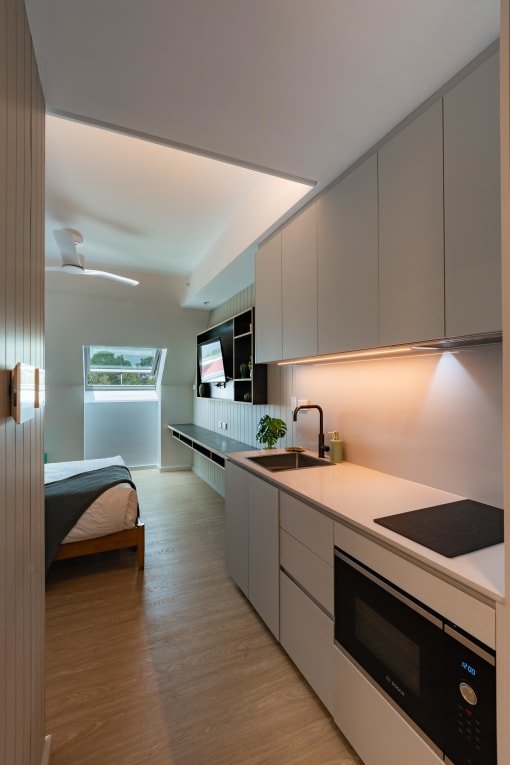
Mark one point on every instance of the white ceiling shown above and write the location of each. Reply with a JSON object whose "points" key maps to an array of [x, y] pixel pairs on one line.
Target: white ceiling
{"points": [[297, 88]]}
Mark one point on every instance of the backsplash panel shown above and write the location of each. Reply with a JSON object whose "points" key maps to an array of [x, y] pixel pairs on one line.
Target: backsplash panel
{"points": [[435, 419]]}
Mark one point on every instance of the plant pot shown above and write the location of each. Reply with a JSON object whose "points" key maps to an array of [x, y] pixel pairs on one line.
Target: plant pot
{"points": [[204, 390]]}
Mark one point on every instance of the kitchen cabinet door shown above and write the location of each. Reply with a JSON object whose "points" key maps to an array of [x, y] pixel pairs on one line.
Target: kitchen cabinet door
{"points": [[236, 525], [472, 203], [306, 634], [347, 247], [299, 285], [373, 726], [263, 552], [252, 544], [268, 300], [411, 250]]}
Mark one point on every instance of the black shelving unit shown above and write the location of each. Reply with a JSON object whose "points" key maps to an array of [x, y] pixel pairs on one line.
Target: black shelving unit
{"points": [[247, 380]]}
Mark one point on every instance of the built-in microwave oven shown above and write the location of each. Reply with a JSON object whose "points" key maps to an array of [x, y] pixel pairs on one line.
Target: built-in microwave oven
{"points": [[442, 680]]}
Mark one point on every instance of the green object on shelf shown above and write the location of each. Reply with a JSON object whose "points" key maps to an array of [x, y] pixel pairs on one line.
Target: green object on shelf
{"points": [[45, 458], [204, 390]]}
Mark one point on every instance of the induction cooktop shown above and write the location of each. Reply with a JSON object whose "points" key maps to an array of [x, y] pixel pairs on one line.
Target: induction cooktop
{"points": [[452, 529]]}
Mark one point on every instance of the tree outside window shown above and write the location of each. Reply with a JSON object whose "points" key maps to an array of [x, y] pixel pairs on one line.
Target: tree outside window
{"points": [[111, 367]]}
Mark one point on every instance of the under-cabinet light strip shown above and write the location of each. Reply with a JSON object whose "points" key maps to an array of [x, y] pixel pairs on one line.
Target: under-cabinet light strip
{"points": [[349, 355]]}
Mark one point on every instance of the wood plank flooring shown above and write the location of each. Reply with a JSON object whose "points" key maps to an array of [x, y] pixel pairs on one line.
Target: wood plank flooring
{"points": [[171, 666]]}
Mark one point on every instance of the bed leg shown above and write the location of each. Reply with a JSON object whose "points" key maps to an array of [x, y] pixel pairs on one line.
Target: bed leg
{"points": [[141, 546]]}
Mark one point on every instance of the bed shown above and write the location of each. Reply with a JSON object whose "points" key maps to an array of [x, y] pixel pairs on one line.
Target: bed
{"points": [[91, 506]]}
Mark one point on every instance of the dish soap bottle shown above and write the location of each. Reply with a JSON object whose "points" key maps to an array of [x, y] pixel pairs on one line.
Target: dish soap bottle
{"points": [[335, 448]]}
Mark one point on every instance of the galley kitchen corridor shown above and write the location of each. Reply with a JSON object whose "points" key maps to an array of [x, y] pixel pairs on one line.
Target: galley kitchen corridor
{"points": [[172, 666]]}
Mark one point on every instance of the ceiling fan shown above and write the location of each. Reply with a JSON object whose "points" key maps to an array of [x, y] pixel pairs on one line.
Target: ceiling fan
{"points": [[68, 240]]}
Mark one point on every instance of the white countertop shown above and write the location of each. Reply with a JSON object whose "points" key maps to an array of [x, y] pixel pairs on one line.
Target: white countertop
{"points": [[356, 495]]}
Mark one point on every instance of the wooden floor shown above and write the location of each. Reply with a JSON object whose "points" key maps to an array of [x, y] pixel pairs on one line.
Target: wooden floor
{"points": [[172, 666]]}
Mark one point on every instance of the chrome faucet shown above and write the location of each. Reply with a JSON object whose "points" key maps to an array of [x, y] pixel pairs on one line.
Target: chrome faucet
{"points": [[322, 448]]}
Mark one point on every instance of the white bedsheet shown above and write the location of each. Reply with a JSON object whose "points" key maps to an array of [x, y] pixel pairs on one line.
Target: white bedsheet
{"points": [[114, 510]]}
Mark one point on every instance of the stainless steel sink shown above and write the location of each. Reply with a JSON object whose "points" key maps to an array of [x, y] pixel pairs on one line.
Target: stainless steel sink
{"points": [[288, 461]]}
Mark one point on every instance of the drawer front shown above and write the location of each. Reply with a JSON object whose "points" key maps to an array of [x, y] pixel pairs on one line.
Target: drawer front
{"points": [[306, 634], [391, 739], [308, 526], [312, 573], [464, 610]]}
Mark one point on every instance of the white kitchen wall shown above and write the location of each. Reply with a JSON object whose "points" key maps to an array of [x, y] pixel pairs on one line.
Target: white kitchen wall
{"points": [[432, 418], [435, 419]]}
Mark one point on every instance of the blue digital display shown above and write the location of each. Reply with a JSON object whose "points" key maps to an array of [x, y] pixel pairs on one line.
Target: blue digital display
{"points": [[468, 668]]}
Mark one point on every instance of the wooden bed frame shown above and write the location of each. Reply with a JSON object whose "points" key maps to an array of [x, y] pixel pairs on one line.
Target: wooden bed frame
{"points": [[134, 537]]}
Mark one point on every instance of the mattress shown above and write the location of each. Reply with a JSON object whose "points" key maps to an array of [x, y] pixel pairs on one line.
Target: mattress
{"points": [[114, 510]]}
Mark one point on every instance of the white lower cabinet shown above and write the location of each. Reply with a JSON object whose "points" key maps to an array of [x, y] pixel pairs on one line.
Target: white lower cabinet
{"points": [[306, 634], [263, 590], [377, 732], [306, 593], [236, 525], [280, 551], [251, 541]]}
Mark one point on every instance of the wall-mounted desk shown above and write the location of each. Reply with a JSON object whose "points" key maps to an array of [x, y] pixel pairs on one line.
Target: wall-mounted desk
{"points": [[206, 442]]}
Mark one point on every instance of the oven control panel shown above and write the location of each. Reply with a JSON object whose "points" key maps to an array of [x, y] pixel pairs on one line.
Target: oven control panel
{"points": [[470, 702]]}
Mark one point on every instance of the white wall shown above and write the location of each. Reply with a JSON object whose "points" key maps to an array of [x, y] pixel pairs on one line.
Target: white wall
{"points": [[435, 419], [128, 428], [84, 311]]}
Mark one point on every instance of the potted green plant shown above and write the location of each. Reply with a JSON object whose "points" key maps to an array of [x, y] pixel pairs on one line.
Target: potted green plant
{"points": [[269, 430]]}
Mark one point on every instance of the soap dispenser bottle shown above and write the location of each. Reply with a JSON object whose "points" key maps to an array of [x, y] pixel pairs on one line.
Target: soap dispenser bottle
{"points": [[335, 447]]}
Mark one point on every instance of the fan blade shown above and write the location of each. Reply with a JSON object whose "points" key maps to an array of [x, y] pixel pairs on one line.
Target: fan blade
{"points": [[53, 268], [112, 277], [67, 247]]}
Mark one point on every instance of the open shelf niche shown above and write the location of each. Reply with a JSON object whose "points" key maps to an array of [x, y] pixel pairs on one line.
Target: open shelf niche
{"points": [[247, 382]]}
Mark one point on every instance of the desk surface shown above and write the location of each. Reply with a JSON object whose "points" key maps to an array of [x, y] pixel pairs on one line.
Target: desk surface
{"points": [[216, 442]]}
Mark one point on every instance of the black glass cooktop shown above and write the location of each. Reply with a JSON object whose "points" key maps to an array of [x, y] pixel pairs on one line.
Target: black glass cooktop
{"points": [[455, 528]]}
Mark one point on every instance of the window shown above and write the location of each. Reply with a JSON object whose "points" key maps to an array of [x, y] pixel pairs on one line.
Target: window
{"points": [[112, 368]]}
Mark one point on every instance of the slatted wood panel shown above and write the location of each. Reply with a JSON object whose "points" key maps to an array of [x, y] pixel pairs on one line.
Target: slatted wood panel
{"points": [[172, 666], [21, 446]]}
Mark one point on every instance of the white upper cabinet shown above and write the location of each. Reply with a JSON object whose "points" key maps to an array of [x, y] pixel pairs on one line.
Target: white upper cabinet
{"points": [[472, 203], [411, 250], [347, 237], [268, 300], [405, 248], [299, 285]]}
